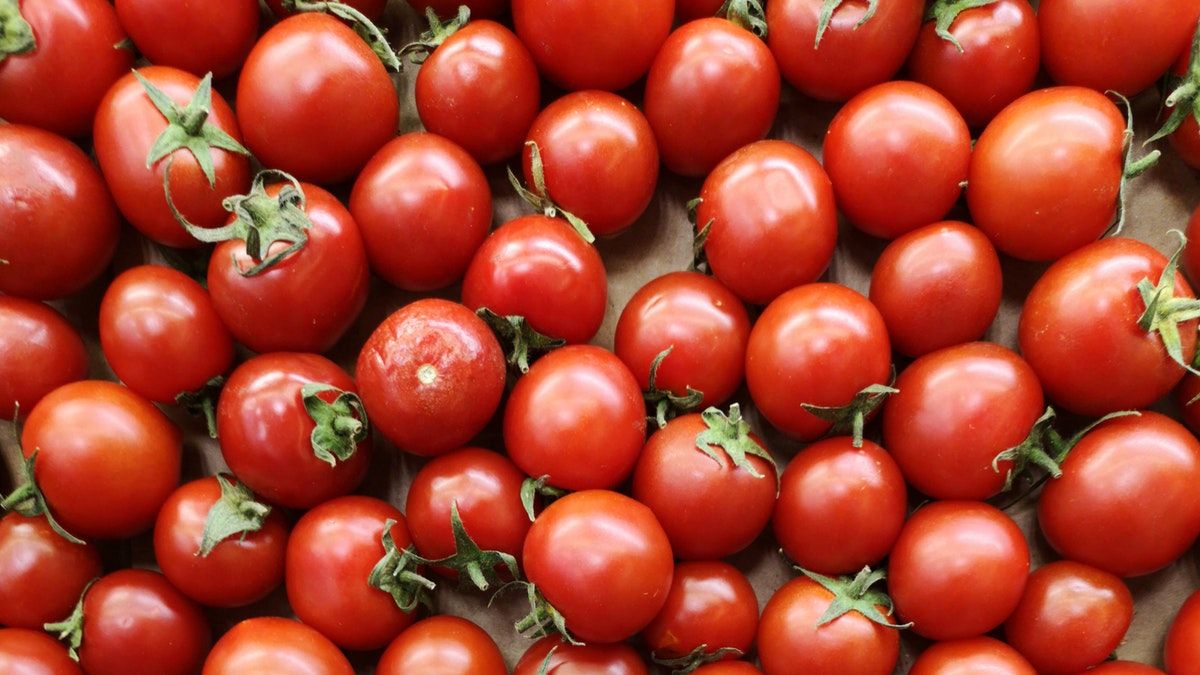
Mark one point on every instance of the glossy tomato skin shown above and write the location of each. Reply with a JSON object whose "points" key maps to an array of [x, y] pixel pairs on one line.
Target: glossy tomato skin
{"points": [[447, 645], [771, 218], [25, 651], [819, 344], [1045, 173], [713, 88], [617, 658], [1079, 330], [1191, 250], [1071, 617], [710, 603], [728, 668], [1124, 668], [104, 436], [58, 224], [958, 569], [238, 571], [39, 352], [840, 507], [425, 191], [972, 655], [432, 375], [306, 301], [41, 574], [330, 555], [578, 417], [260, 644], [58, 86], [592, 540], [266, 432], [1185, 394], [314, 100], [897, 154], [687, 10], [850, 57], [126, 126], [199, 38], [539, 268], [1124, 502], [1182, 653], [937, 286]]}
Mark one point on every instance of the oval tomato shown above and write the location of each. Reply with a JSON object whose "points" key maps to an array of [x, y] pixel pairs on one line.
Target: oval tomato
{"points": [[32, 652], [205, 37], [972, 655], [41, 573], [711, 606], [446, 645], [39, 352], [1182, 654], [617, 658], [259, 645]]}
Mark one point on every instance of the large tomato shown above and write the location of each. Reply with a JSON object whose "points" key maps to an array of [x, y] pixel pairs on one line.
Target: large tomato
{"points": [[41, 574], [446, 645], [201, 37], [711, 606], [31, 652], [259, 645], [973, 655], [563, 658], [1182, 653], [39, 352]]}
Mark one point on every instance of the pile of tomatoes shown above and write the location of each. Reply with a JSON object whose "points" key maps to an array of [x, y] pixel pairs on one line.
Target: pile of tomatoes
{"points": [[214, 197]]}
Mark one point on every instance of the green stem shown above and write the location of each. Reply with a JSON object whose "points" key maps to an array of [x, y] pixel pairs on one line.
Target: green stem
{"points": [[828, 7], [439, 31], [366, 29], [944, 12], [748, 14], [16, 35], [539, 198]]}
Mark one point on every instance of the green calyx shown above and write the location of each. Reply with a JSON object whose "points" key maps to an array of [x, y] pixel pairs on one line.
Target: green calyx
{"points": [[397, 574], [27, 499], [699, 656], [699, 258], [665, 403], [855, 595], [1184, 98], [730, 432], [532, 489], [16, 35], [370, 33], [540, 199], [543, 619], [524, 343], [1164, 312], [828, 7], [203, 402], [70, 629], [235, 513], [341, 424], [544, 668], [944, 12], [439, 31], [1132, 167], [748, 14], [475, 566], [852, 417]]}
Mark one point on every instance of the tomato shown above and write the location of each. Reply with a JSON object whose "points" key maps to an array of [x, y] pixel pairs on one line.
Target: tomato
{"points": [[856, 51], [372, 9], [1185, 139], [1071, 617], [1183, 641], [270, 440], [1046, 173], [840, 507], [41, 574], [1185, 394], [58, 225], [897, 154], [1191, 250], [1124, 668], [32, 652], [245, 546], [711, 606], [611, 659], [973, 655], [713, 88], [446, 645], [958, 569], [937, 286], [687, 10], [432, 375], [78, 54], [314, 100], [39, 352], [199, 38], [602, 560], [820, 345], [728, 668], [1124, 502], [771, 219], [426, 191], [257, 646], [479, 8], [709, 481], [1080, 332]]}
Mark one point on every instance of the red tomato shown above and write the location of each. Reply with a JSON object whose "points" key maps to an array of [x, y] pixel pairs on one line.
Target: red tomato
{"points": [[1185, 394], [840, 507], [1186, 138], [771, 219], [58, 225], [937, 286], [687, 10], [1071, 617], [1124, 668], [426, 191], [314, 100], [446, 645], [958, 569], [39, 352], [267, 434], [32, 652], [479, 8], [711, 606], [432, 375], [971, 656], [78, 55], [1125, 501], [41, 573], [202, 37], [611, 659], [727, 668], [1183, 641], [603, 561], [713, 88], [372, 9], [259, 645], [1191, 250], [897, 155]]}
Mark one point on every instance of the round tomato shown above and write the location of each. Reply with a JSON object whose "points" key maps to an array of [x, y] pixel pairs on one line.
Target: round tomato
{"points": [[41, 573], [39, 352], [617, 658], [446, 645], [973, 655], [32, 652], [1124, 668], [1183, 641], [259, 645], [202, 37], [711, 606]]}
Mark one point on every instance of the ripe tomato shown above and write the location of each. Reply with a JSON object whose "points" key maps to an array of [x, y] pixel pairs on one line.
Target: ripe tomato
{"points": [[713, 88], [58, 225], [728, 668], [1191, 250], [432, 375], [958, 569], [314, 100], [602, 560], [819, 344], [446, 645], [711, 606], [687, 10], [32, 652], [260, 644], [271, 440], [1185, 394], [840, 507], [1182, 653], [41, 574], [611, 659], [859, 47], [937, 286], [78, 54], [1124, 668], [39, 352], [973, 655], [1124, 501], [897, 154], [204, 37], [1070, 618], [426, 191], [771, 219], [479, 8]]}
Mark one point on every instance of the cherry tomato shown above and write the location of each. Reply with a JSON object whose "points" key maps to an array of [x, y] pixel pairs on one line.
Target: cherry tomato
{"points": [[204, 37], [771, 219], [32, 652], [446, 645], [479, 8], [41, 573], [711, 605], [611, 659], [39, 352], [257, 646], [972, 655], [1124, 668], [728, 668], [1183, 641]]}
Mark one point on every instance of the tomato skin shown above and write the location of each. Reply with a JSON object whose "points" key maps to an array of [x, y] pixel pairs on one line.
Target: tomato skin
{"points": [[958, 569], [972, 655], [1124, 668], [58, 86], [1185, 393], [432, 375], [372, 9], [257, 646], [773, 220], [1079, 330], [1070, 618], [31, 652], [1125, 503], [687, 10], [317, 118], [58, 224], [199, 38], [840, 508], [480, 9], [713, 88], [41, 574], [428, 192], [1191, 250], [446, 645], [728, 668], [1186, 141], [897, 154], [617, 658], [1182, 653], [39, 352], [710, 603]]}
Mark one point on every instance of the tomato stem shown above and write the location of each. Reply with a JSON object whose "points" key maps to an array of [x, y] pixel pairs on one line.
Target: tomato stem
{"points": [[1164, 312], [539, 197], [1133, 168], [340, 425], [828, 7], [235, 513], [665, 403], [524, 343], [543, 619], [852, 417], [475, 566], [366, 29], [16, 35], [748, 14], [730, 432], [532, 488], [203, 402], [855, 595], [1184, 99], [697, 657], [27, 499], [944, 12], [439, 31], [70, 629], [396, 574]]}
